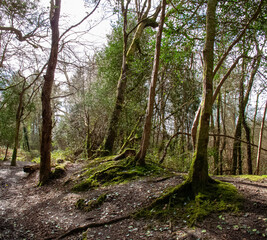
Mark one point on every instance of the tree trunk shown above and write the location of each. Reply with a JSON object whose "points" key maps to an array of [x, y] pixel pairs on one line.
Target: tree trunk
{"points": [[223, 107], [46, 138], [198, 173], [260, 141], [18, 120], [140, 157], [121, 87], [26, 143], [242, 120], [6, 152], [218, 139]]}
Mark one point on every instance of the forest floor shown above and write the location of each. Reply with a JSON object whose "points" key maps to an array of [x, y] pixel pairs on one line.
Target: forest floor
{"points": [[31, 212]]}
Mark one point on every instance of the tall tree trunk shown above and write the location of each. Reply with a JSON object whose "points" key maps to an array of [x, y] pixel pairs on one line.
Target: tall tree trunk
{"points": [[260, 141], [223, 106], [198, 173], [6, 152], [218, 139], [26, 139], [18, 121], [242, 120], [127, 57], [140, 157], [46, 138]]}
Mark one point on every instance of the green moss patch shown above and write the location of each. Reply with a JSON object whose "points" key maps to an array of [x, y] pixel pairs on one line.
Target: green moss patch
{"points": [[108, 172], [87, 206], [181, 204], [253, 178]]}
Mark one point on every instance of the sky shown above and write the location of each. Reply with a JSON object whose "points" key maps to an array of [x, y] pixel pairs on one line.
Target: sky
{"points": [[74, 11]]}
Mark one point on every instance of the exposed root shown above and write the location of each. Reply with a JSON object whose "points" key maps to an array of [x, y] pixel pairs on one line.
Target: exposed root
{"points": [[90, 225]]}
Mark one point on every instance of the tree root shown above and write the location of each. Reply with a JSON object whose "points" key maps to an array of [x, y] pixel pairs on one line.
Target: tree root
{"points": [[90, 225]]}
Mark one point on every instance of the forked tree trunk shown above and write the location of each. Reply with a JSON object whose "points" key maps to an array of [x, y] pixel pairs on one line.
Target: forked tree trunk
{"points": [[140, 157], [46, 138], [127, 57], [198, 173]]}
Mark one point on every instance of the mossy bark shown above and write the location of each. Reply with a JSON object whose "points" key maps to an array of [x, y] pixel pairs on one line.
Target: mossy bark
{"points": [[198, 173]]}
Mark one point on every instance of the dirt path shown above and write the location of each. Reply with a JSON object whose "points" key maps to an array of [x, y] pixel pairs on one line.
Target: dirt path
{"points": [[30, 212]]}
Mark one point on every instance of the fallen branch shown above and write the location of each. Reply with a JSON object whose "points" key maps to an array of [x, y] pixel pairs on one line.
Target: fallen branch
{"points": [[91, 225]]}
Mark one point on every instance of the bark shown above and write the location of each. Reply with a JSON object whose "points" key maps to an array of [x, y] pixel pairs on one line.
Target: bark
{"points": [[19, 114], [45, 163], [127, 58], [223, 116], [26, 139], [140, 157], [218, 139], [237, 148], [198, 173], [6, 152], [260, 141]]}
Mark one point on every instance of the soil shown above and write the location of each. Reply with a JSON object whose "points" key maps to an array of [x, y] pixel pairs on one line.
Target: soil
{"points": [[31, 212]]}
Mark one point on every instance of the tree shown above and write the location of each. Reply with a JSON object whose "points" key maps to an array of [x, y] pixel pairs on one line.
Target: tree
{"points": [[128, 54], [45, 163], [22, 105], [140, 157], [219, 64], [198, 173]]}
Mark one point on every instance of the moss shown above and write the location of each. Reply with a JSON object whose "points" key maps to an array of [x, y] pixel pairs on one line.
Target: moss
{"points": [[115, 172], [181, 203], [85, 185], [87, 206], [218, 197], [254, 178]]}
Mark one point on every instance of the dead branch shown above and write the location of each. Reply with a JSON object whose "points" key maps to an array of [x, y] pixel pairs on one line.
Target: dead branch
{"points": [[91, 225]]}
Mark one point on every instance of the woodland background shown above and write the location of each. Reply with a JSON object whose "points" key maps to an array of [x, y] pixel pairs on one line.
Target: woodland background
{"points": [[86, 87]]}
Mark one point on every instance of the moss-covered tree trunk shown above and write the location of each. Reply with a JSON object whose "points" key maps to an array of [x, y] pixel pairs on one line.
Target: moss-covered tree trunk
{"points": [[198, 173], [46, 138], [140, 157]]}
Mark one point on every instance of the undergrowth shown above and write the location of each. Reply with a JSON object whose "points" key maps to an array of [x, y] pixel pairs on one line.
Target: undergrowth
{"points": [[105, 171]]}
